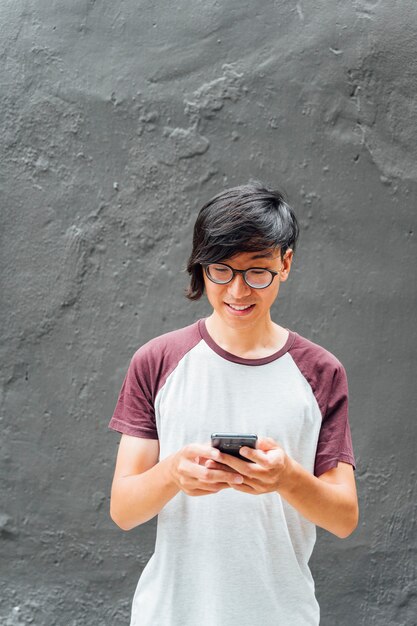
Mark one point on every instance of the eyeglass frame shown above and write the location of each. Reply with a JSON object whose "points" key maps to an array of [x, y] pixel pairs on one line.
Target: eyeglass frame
{"points": [[243, 272]]}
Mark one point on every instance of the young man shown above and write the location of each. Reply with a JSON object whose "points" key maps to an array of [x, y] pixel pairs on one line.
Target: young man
{"points": [[239, 556]]}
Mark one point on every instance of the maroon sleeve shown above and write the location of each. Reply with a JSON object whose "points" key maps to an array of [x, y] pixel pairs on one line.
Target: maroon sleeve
{"points": [[148, 370], [134, 413], [328, 381], [335, 441]]}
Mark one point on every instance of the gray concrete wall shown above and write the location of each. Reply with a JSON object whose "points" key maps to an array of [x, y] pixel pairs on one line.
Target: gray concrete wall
{"points": [[118, 120]]}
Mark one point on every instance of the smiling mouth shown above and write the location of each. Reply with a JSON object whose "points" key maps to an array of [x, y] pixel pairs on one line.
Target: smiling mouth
{"points": [[240, 307]]}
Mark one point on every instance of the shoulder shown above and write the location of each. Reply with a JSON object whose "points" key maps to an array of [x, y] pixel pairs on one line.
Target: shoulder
{"points": [[322, 370], [313, 357], [169, 348]]}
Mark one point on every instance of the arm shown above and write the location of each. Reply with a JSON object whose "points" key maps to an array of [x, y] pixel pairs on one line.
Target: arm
{"points": [[329, 501], [142, 486]]}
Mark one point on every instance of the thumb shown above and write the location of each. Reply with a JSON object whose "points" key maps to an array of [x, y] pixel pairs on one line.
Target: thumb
{"points": [[267, 443]]}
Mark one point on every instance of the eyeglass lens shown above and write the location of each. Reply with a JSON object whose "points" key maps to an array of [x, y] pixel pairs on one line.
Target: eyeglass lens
{"points": [[256, 278]]}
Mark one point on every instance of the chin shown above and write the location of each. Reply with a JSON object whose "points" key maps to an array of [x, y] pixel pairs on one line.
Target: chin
{"points": [[239, 322]]}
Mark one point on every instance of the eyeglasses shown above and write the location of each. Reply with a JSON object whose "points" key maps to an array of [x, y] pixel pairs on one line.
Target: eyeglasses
{"points": [[254, 277]]}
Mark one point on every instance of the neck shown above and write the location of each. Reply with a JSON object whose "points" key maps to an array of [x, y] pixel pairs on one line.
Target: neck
{"points": [[252, 342]]}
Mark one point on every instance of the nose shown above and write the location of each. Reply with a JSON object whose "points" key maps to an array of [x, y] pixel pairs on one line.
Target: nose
{"points": [[237, 288]]}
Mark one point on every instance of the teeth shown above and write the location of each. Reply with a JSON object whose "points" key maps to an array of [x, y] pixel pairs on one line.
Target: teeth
{"points": [[240, 308]]}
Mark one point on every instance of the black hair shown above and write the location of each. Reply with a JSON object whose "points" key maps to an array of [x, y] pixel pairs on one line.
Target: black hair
{"points": [[248, 218]]}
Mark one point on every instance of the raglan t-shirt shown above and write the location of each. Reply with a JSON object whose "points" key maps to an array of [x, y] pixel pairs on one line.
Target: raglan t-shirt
{"points": [[232, 558]]}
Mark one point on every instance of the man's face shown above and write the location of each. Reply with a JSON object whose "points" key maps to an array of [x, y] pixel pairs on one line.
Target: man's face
{"points": [[228, 299]]}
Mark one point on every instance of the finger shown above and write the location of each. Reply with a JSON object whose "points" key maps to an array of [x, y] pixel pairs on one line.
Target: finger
{"points": [[211, 480], [225, 478], [211, 487], [205, 492], [190, 470], [194, 450], [256, 485], [267, 443], [258, 456], [246, 489], [197, 491], [242, 467], [208, 475], [264, 459], [215, 465]]}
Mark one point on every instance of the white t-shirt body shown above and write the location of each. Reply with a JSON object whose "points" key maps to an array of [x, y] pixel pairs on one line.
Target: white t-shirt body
{"points": [[233, 558]]}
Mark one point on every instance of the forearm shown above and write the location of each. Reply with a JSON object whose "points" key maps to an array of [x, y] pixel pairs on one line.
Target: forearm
{"points": [[329, 505], [136, 499]]}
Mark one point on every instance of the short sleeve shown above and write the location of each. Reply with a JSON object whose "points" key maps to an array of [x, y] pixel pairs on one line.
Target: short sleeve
{"points": [[134, 413], [335, 441], [148, 370]]}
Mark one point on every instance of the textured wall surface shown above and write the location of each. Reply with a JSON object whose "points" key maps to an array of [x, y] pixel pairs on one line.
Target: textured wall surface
{"points": [[118, 120]]}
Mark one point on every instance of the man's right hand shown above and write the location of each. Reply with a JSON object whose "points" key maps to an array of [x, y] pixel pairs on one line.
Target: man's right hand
{"points": [[142, 484], [191, 475]]}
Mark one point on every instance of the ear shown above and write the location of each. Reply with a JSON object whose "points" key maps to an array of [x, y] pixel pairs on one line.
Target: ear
{"points": [[286, 264]]}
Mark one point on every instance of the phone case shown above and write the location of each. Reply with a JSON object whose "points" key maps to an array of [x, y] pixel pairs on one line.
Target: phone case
{"points": [[230, 443]]}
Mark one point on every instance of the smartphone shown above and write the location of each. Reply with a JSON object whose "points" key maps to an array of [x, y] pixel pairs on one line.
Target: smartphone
{"points": [[230, 443]]}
